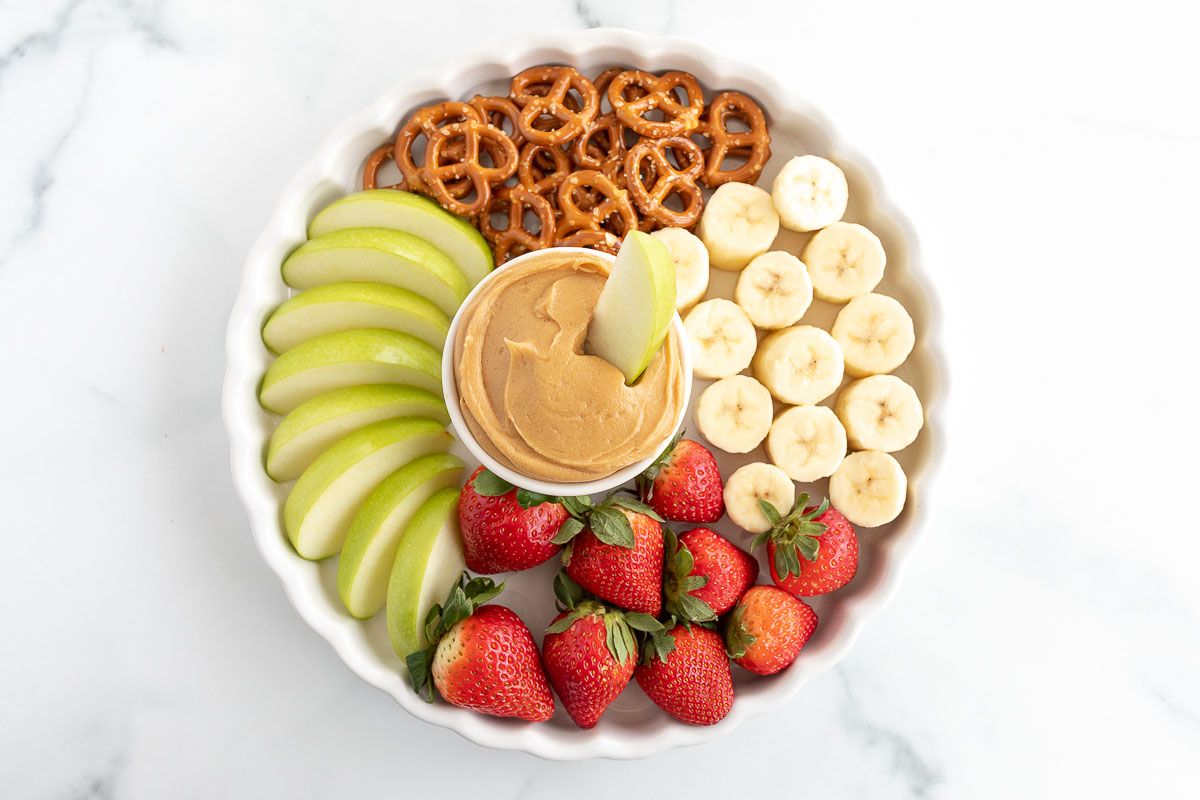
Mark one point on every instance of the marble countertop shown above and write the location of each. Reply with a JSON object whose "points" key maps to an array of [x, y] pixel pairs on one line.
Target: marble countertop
{"points": [[1046, 641]]}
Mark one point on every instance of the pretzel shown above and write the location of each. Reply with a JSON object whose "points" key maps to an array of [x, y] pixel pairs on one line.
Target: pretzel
{"points": [[425, 122], [552, 100], [541, 169], [679, 118], [515, 239], [438, 176], [601, 147], [610, 210], [754, 144], [603, 241], [379, 156], [667, 180], [498, 110]]}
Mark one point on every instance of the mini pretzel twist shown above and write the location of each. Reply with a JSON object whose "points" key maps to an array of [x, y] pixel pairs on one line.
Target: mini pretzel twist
{"points": [[667, 179], [379, 157], [516, 238], [542, 168], [496, 111], [425, 122], [603, 241], [680, 118], [754, 144], [608, 207], [552, 100], [601, 147], [438, 174]]}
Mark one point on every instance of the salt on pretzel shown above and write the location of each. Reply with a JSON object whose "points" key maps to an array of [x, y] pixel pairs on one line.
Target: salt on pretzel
{"points": [[667, 179], [679, 117], [542, 168], [753, 144], [515, 238], [440, 173], [424, 123], [544, 94]]}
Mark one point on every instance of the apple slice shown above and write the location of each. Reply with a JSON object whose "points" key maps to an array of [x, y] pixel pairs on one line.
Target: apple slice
{"points": [[633, 314], [345, 306], [315, 425], [349, 358], [428, 562], [317, 513], [379, 526], [411, 213], [378, 255]]}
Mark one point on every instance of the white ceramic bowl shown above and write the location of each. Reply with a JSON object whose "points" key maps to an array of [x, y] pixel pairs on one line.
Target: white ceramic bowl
{"points": [[598, 486], [632, 727]]}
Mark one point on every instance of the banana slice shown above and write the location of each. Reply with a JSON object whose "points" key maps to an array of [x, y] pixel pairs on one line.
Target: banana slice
{"points": [[735, 413], [810, 193], [722, 337], [807, 442], [881, 412], [754, 482], [691, 265], [738, 223], [876, 334], [800, 365], [844, 260], [774, 290], [869, 488]]}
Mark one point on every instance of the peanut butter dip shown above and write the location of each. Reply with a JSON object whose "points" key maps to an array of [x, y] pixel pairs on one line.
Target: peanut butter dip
{"points": [[531, 396]]}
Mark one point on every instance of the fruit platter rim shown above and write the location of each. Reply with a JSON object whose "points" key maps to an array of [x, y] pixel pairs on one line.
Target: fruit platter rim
{"points": [[246, 358]]}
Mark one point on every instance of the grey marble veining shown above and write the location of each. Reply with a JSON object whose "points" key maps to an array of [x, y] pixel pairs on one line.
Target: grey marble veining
{"points": [[1046, 641]]}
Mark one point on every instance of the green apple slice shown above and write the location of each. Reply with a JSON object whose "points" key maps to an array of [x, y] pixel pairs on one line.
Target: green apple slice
{"points": [[428, 562], [378, 255], [316, 424], [345, 306], [411, 213], [317, 513], [379, 526], [633, 314], [349, 358]]}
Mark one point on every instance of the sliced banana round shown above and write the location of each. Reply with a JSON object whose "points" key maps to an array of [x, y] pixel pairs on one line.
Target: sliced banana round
{"points": [[751, 483], [869, 488], [722, 337], [801, 365], [691, 265], [810, 192], [881, 412], [807, 442], [774, 290], [738, 223], [875, 333], [844, 260], [734, 414]]}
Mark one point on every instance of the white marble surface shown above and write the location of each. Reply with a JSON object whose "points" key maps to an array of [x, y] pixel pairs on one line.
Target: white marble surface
{"points": [[1046, 641]]}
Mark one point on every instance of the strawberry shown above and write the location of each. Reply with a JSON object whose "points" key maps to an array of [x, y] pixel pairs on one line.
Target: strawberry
{"points": [[685, 671], [705, 575], [590, 651], [482, 657], [683, 484], [506, 529], [616, 553], [811, 551], [767, 629]]}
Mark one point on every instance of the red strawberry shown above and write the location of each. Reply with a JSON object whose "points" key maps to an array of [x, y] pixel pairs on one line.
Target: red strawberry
{"points": [[685, 671], [684, 485], [505, 529], [811, 551], [619, 556], [483, 657], [708, 568], [590, 654], [767, 629]]}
